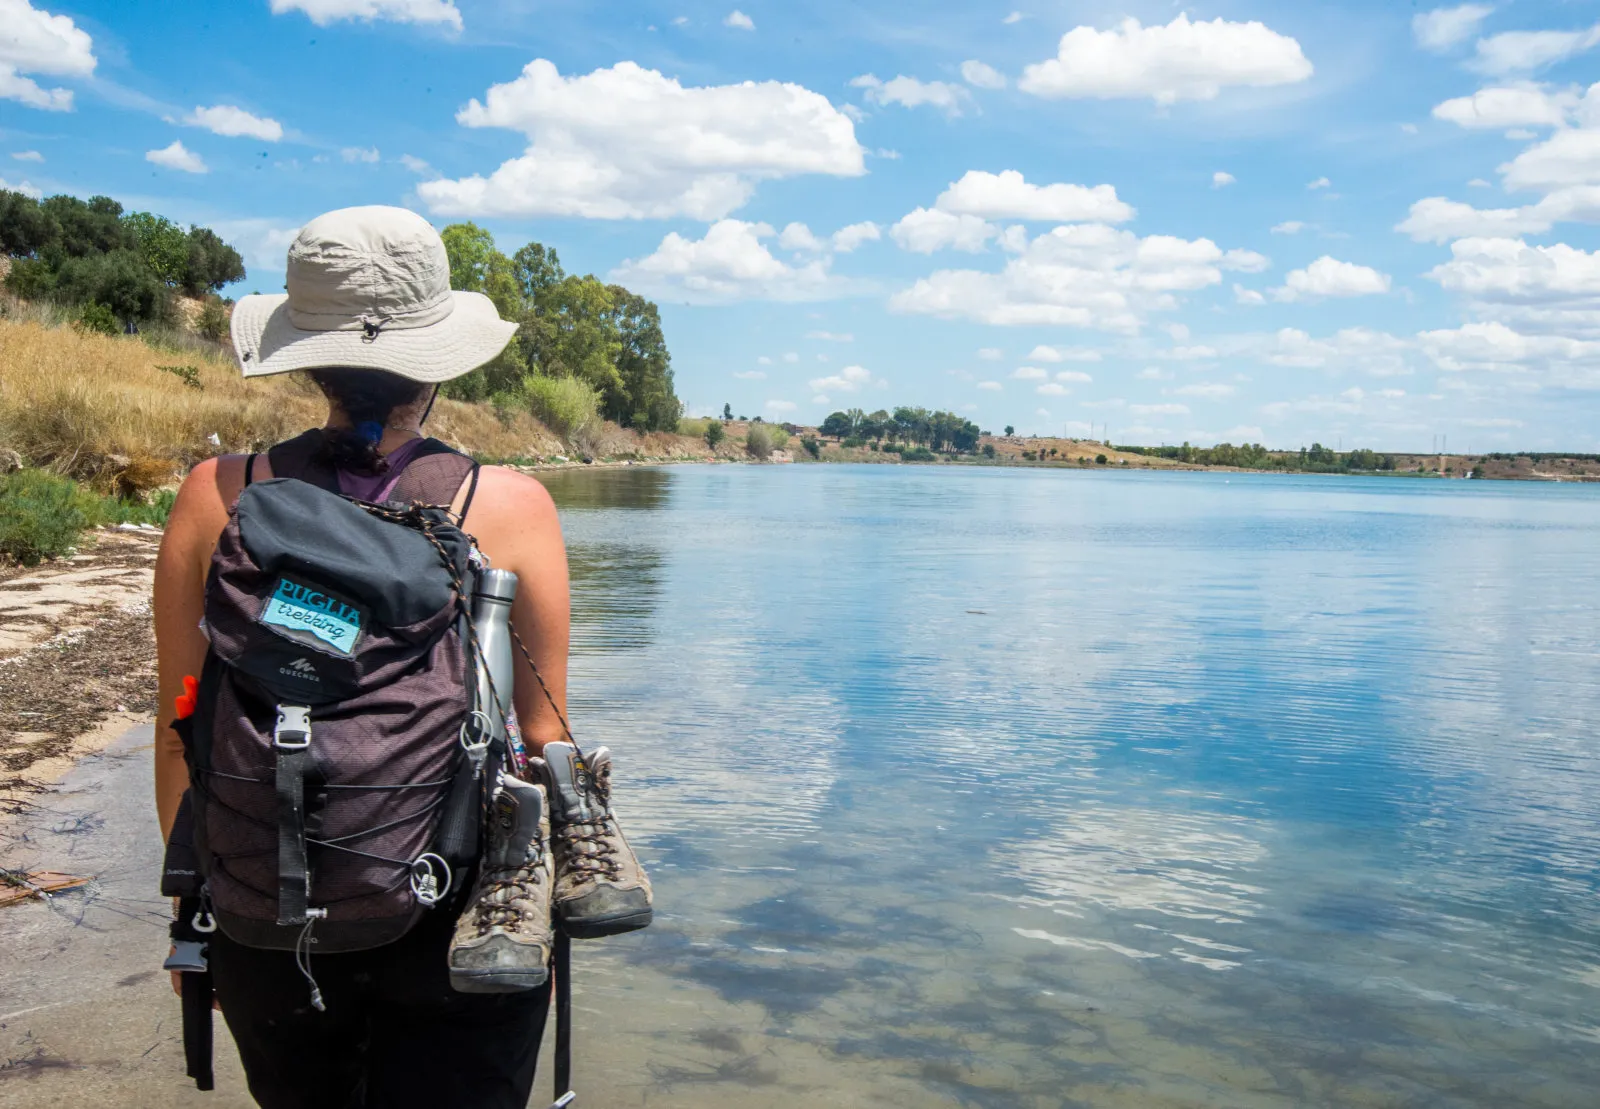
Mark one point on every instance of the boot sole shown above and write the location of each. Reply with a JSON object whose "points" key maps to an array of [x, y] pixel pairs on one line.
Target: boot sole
{"points": [[594, 928], [497, 981]]}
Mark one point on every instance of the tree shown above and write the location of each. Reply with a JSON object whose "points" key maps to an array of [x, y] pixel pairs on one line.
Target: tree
{"points": [[1010, 430], [714, 434], [646, 401], [727, 412], [988, 450], [26, 229], [837, 425], [470, 249], [536, 268], [1099, 460], [162, 244], [210, 263]]}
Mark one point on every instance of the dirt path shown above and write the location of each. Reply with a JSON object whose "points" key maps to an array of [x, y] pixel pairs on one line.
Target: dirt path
{"points": [[77, 658]]}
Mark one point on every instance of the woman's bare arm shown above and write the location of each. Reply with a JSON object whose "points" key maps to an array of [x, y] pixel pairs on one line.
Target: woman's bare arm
{"points": [[515, 523], [197, 520]]}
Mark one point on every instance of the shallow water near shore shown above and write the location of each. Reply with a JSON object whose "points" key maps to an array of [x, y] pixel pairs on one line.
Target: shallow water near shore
{"points": [[1020, 788]]}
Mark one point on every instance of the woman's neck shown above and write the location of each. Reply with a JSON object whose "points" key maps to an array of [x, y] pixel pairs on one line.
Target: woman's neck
{"points": [[395, 435]]}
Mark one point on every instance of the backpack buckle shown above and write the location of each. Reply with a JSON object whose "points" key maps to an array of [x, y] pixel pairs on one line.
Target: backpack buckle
{"points": [[293, 730]]}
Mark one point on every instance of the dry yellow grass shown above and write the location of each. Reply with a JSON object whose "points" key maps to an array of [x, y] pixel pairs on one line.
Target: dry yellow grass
{"points": [[101, 408]]}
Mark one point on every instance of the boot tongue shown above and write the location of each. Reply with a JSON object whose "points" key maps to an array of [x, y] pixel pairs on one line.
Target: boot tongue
{"points": [[571, 779]]}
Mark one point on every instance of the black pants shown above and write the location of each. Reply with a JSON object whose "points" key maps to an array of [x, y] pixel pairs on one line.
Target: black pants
{"points": [[394, 1034]]}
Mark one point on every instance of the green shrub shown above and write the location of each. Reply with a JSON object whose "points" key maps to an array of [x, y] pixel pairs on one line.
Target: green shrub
{"points": [[758, 443], [189, 375], [917, 454], [1099, 460], [694, 428], [97, 317], [565, 405], [988, 450], [213, 320], [852, 442], [812, 446], [780, 436], [714, 433], [41, 515]]}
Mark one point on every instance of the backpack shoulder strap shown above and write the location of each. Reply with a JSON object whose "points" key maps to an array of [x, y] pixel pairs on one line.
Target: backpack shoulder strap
{"points": [[437, 474], [297, 458]]}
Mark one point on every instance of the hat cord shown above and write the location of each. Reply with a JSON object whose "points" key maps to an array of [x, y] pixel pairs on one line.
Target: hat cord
{"points": [[372, 325]]}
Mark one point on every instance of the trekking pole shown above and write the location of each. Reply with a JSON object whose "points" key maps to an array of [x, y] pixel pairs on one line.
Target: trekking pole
{"points": [[561, 960]]}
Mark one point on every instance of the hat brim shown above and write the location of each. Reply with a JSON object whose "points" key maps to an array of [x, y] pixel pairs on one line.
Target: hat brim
{"points": [[266, 342]]}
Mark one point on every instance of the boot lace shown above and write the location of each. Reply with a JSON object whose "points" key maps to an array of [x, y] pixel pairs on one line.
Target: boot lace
{"points": [[591, 850], [495, 912]]}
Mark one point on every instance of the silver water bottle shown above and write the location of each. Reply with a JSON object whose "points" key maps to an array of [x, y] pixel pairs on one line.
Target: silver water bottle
{"points": [[491, 620], [485, 735]]}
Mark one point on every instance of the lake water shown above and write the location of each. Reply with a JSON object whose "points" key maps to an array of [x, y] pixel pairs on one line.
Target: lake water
{"points": [[992, 787]]}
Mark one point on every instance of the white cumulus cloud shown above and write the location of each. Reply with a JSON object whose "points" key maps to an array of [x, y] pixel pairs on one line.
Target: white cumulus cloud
{"points": [[176, 156], [1329, 277], [1029, 373], [324, 12], [629, 143], [1079, 275], [27, 156], [1051, 389], [730, 263], [981, 75], [1440, 29], [33, 40], [848, 238], [739, 21], [1221, 179], [1508, 106], [1008, 195], [225, 119], [359, 154], [909, 92], [1527, 51], [26, 188], [926, 230], [1288, 227], [1042, 353], [851, 379], [1181, 60], [991, 386], [1437, 219]]}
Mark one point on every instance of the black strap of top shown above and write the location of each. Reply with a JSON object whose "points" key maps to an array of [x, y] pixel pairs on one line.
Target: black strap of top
{"points": [[434, 474]]}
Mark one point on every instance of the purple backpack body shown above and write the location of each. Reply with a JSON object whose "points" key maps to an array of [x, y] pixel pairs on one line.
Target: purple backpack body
{"points": [[328, 782]]}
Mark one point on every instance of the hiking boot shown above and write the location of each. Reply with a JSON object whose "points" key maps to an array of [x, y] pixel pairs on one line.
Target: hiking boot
{"points": [[503, 938], [601, 890]]}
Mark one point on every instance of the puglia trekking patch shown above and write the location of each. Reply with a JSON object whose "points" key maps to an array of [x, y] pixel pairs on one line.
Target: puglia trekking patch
{"points": [[314, 616]]}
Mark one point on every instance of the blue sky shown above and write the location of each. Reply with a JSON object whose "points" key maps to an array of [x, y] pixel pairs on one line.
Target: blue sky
{"points": [[1362, 223]]}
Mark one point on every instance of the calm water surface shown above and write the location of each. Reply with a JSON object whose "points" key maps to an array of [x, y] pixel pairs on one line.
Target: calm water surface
{"points": [[1023, 788]]}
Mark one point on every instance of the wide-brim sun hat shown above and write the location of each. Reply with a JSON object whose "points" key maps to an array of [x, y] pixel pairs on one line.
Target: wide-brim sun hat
{"points": [[368, 288]]}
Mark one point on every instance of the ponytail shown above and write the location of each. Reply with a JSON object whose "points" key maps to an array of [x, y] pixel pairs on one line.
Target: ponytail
{"points": [[367, 398]]}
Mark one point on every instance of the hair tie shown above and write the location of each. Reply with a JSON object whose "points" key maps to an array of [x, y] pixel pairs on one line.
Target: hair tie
{"points": [[371, 431]]}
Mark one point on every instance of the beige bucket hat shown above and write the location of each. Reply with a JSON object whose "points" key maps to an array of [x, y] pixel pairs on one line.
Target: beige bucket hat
{"points": [[368, 288]]}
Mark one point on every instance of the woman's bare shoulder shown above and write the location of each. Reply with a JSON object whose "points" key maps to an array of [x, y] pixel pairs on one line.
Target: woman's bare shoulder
{"points": [[511, 514], [201, 510], [506, 493]]}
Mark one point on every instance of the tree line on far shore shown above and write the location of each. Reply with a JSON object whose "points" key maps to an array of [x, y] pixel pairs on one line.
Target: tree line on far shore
{"points": [[115, 268], [1315, 459], [920, 427]]}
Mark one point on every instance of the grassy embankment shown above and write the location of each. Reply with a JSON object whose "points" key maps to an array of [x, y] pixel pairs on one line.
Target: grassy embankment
{"points": [[125, 417]]}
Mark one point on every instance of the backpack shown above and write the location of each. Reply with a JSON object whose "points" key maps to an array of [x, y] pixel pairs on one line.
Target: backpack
{"points": [[329, 781]]}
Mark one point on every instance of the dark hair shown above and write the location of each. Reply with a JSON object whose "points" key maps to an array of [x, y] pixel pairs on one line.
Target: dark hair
{"points": [[368, 398]]}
